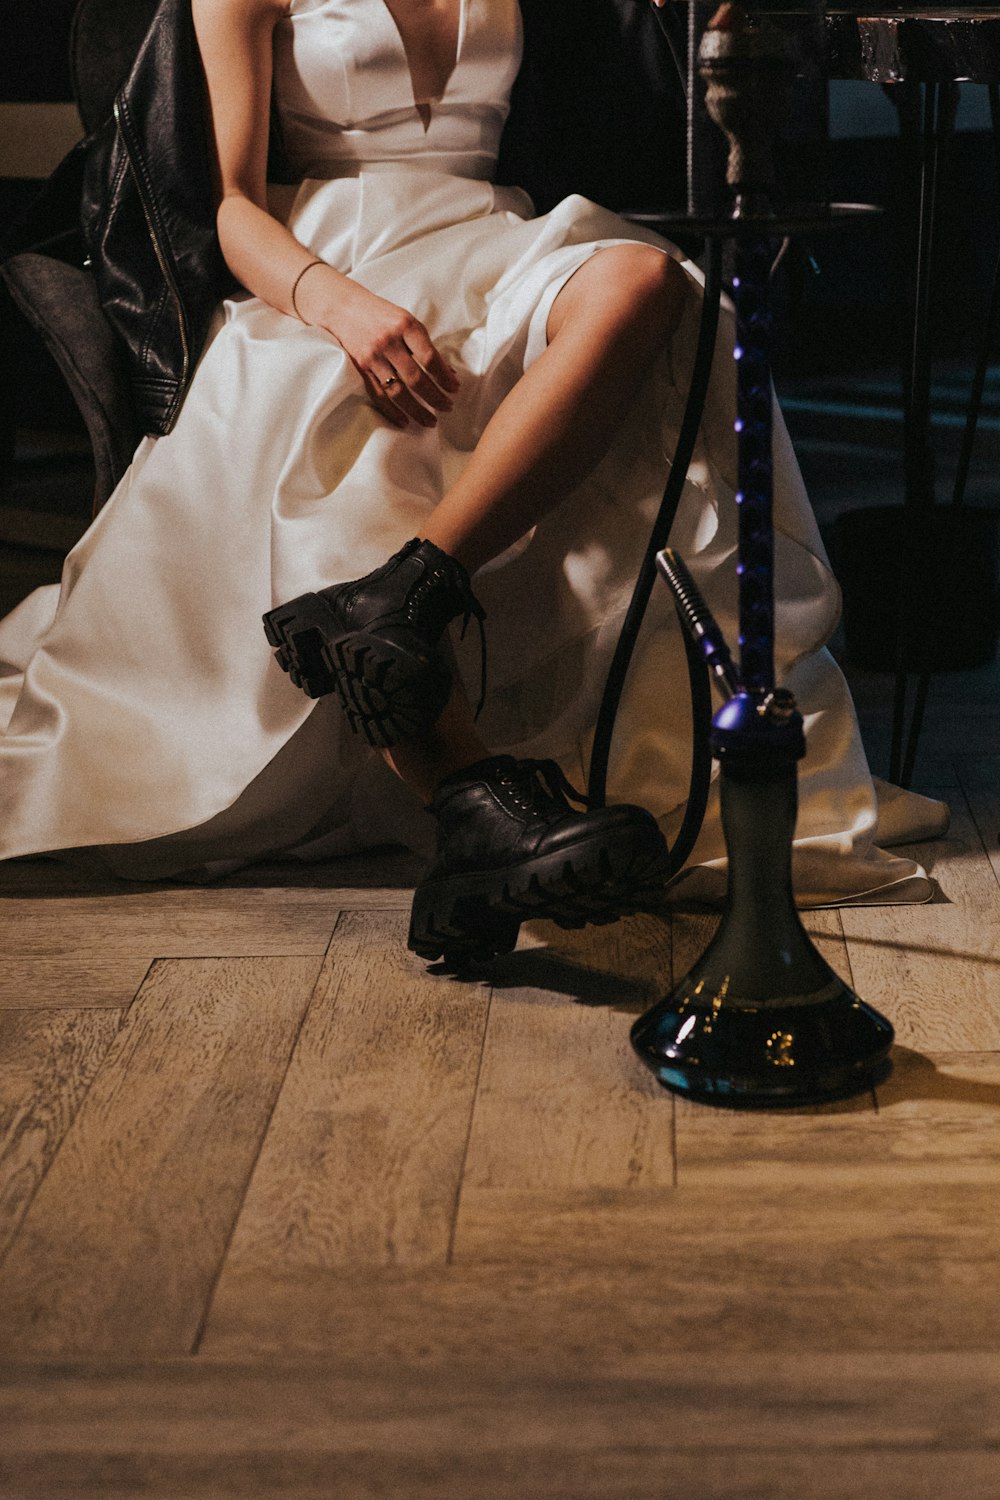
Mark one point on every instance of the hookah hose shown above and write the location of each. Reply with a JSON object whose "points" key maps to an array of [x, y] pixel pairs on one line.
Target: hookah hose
{"points": [[701, 692]]}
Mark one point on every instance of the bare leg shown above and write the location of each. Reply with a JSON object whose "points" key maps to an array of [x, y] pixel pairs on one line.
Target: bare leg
{"points": [[449, 745], [607, 325]]}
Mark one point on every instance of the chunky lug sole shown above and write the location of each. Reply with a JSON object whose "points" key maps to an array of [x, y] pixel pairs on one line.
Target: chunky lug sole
{"points": [[387, 692], [473, 917]]}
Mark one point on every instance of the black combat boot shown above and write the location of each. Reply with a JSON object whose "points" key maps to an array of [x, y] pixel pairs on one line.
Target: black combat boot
{"points": [[511, 847], [375, 641]]}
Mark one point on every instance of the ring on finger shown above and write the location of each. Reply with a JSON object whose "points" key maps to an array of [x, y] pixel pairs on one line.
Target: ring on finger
{"points": [[391, 381]]}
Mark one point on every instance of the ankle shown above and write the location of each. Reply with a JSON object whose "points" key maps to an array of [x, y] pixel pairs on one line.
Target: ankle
{"points": [[425, 770], [456, 545]]}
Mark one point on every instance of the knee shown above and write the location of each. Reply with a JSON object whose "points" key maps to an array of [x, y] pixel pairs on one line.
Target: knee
{"points": [[633, 290], [647, 286]]}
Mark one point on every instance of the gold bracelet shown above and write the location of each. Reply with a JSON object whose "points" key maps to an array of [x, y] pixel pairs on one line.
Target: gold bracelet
{"points": [[295, 287]]}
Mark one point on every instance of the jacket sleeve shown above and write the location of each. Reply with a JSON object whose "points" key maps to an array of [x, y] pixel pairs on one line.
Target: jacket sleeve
{"points": [[148, 215], [598, 107]]}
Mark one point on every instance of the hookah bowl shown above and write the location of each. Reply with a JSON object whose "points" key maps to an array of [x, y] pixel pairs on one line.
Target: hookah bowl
{"points": [[747, 65], [762, 1019]]}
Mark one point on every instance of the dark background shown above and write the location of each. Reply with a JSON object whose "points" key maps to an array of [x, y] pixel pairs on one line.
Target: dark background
{"points": [[33, 58]]}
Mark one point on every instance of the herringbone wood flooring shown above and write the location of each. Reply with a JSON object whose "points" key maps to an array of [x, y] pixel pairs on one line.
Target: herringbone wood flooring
{"points": [[282, 1213]]}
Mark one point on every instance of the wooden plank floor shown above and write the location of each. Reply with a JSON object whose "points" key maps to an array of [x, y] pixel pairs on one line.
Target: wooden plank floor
{"points": [[283, 1213]]}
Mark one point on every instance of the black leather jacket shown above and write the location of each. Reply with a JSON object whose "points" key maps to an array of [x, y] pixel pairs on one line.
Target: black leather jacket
{"points": [[597, 108]]}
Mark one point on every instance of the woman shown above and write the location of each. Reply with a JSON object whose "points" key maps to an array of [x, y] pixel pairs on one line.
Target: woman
{"points": [[421, 383]]}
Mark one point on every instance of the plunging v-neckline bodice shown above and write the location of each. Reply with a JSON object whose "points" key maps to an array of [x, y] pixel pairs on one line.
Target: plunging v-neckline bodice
{"points": [[345, 91], [425, 107]]}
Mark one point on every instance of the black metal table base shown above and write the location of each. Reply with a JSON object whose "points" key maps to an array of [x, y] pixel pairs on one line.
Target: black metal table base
{"points": [[930, 109]]}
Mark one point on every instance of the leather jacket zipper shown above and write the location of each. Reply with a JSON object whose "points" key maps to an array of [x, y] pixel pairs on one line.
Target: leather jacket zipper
{"points": [[165, 268]]}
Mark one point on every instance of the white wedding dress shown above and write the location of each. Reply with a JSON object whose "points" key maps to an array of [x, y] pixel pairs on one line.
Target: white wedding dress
{"points": [[144, 712]]}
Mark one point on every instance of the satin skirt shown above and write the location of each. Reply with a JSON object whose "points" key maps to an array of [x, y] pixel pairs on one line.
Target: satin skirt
{"points": [[144, 715]]}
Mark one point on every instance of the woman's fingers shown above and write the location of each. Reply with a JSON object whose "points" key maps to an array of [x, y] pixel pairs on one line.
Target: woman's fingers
{"points": [[404, 374], [394, 352], [380, 394], [394, 386], [418, 344], [416, 380], [405, 381]]}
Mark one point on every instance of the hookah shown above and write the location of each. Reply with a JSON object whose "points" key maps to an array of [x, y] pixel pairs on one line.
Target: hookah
{"points": [[761, 1019]]}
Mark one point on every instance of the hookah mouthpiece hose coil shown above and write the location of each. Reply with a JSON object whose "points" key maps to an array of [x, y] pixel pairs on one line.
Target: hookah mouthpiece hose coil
{"points": [[700, 621]]}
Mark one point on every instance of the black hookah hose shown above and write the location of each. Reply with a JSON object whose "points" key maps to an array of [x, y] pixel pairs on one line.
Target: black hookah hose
{"points": [[701, 691]]}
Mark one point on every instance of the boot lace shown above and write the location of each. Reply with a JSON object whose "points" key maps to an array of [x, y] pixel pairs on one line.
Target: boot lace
{"points": [[433, 598], [540, 786]]}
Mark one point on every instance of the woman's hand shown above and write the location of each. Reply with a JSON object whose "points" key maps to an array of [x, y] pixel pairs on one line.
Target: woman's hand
{"points": [[391, 350]]}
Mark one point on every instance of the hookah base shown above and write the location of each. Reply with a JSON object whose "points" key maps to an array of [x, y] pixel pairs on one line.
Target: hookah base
{"points": [[750, 1055]]}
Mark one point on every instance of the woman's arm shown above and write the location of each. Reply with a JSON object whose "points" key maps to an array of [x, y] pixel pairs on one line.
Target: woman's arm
{"points": [[235, 38]]}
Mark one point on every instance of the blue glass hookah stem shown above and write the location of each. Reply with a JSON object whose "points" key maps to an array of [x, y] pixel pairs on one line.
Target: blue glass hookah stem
{"points": [[754, 465]]}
